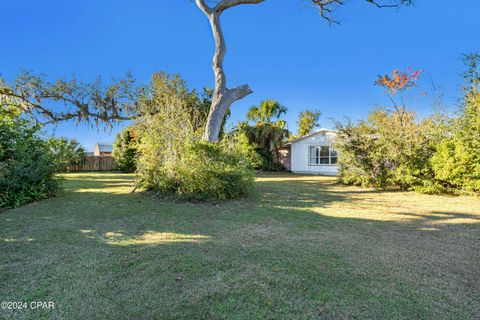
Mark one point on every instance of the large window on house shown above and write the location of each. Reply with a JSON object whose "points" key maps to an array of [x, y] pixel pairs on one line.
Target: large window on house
{"points": [[322, 155]]}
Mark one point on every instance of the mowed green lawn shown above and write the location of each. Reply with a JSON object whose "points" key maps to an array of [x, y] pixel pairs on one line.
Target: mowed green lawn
{"points": [[301, 247]]}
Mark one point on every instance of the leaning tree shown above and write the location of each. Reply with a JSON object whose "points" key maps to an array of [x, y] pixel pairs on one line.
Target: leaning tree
{"points": [[51, 102], [224, 96]]}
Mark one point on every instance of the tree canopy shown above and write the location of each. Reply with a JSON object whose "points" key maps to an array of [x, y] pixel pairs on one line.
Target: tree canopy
{"points": [[307, 121], [266, 112], [125, 150]]}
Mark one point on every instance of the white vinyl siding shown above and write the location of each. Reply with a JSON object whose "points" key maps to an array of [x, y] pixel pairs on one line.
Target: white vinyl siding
{"points": [[314, 154]]}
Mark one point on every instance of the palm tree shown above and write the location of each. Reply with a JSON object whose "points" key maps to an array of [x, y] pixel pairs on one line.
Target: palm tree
{"points": [[268, 131], [266, 112]]}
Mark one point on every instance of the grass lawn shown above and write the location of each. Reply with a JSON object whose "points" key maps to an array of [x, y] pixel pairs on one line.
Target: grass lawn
{"points": [[301, 247]]}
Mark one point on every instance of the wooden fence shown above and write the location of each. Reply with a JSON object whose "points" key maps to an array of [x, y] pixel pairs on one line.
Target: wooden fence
{"points": [[95, 163]]}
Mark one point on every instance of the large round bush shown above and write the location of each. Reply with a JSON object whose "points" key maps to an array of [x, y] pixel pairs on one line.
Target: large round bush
{"points": [[27, 167], [173, 159]]}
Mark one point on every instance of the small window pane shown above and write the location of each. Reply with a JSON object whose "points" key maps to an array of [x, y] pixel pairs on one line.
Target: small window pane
{"points": [[333, 152], [333, 160], [324, 160], [313, 156], [324, 151]]}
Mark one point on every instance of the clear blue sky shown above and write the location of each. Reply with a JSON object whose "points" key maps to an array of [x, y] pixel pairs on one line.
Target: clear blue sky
{"points": [[281, 48]]}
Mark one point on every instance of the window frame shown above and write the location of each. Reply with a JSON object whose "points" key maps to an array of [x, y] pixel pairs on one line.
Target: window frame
{"points": [[317, 156]]}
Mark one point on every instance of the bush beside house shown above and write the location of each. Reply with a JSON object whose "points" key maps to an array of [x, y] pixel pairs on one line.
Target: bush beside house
{"points": [[396, 150], [389, 150]]}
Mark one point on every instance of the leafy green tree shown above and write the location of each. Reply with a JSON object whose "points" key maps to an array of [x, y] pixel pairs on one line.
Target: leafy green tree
{"points": [[308, 121], [267, 112], [67, 152], [457, 160], [125, 150], [160, 92], [12, 127]]}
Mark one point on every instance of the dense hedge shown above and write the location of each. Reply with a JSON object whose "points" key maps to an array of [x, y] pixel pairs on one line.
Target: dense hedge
{"points": [[27, 167], [389, 150], [457, 160], [398, 151]]}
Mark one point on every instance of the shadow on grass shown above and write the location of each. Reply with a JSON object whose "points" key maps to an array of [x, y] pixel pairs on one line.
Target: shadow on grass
{"points": [[280, 197], [300, 247]]}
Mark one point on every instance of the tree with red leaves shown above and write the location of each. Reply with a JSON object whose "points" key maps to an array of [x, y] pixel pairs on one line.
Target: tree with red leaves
{"points": [[397, 84]]}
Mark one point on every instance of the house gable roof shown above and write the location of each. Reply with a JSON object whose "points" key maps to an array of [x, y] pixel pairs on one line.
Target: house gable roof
{"points": [[320, 131]]}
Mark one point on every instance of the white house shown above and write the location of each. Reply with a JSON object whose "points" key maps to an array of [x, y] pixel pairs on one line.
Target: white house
{"points": [[312, 154]]}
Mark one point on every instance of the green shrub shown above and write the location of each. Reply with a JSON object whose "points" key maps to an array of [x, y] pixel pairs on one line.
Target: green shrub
{"points": [[390, 150], [434, 155], [204, 171], [456, 162], [213, 171], [430, 187], [125, 150], [66, 152], [173, 160], [27, 167], [28, 176], [265, 138]]}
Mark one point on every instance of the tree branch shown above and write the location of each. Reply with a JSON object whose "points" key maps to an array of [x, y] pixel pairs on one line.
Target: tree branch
{"points": [[241, 92], [226, 4], [35, 109], [386, 5], [326, 6], [39, 99], [204, 7]]}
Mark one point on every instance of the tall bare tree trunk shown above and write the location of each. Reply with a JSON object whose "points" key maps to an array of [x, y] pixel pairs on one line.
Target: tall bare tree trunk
{"points": [[223, 97]]}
